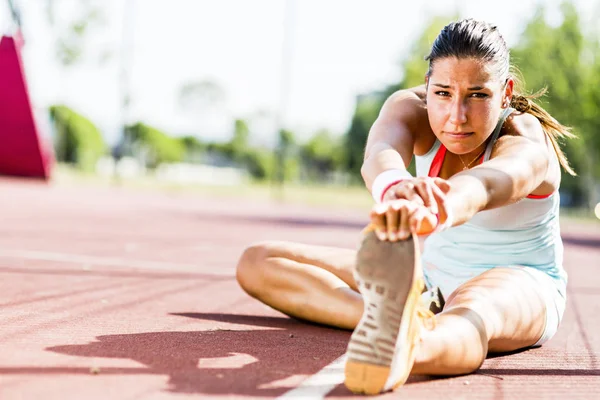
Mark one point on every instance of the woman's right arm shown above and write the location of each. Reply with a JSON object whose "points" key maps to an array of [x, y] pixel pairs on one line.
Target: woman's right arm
{"points": [[393, 138], [401, 130]]}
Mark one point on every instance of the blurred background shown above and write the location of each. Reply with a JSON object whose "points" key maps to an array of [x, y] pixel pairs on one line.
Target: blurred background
{"points": [[272, 96]]}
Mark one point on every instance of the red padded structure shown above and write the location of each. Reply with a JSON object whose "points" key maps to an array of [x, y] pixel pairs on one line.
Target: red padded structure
{"points": [[23, 151]]}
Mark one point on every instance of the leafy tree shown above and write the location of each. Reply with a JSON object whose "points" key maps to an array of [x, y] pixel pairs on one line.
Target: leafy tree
{"points": [[239, 142], [77, 140], [71, 33], [194, 148], [154, 145], [566, 62], [365, 113], [321, 155], [201, 94], [259, 164], [286, 165]]}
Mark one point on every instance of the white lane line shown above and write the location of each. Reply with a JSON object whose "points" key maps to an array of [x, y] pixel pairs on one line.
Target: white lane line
{"points": [[320, 384], [115, 262]]}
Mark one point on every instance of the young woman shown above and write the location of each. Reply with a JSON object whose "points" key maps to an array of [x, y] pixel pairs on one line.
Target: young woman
{"points": [[486, 192]]}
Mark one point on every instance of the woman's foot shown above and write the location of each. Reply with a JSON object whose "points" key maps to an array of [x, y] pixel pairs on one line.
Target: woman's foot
{"points": [[382, 348]]}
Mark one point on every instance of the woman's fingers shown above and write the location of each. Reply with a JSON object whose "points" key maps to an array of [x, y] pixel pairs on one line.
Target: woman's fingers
{"points": [[422, 221], [419, 190], [404, 228], [442, 205], [404, 190], [386, 219], [443, 184], [399, 219], [391, 219], [425, 189], [378, 214]]}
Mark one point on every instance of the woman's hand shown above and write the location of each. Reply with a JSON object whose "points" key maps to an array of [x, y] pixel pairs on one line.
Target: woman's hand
{"points": [[396, 219], [427, 191]]}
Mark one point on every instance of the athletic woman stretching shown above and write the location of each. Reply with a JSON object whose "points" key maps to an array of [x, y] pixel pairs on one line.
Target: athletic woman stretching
{"points": [[486, 192]]}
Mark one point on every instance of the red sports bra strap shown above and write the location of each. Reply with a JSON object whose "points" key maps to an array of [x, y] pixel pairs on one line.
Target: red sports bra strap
{"points": [[438, 160]]}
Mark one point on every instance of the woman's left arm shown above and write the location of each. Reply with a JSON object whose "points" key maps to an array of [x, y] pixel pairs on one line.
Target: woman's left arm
{"points": [[518, 165]]}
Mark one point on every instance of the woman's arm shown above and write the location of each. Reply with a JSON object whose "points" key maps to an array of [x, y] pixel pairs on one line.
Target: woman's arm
{"points": [[518, 165], [393, 137]]}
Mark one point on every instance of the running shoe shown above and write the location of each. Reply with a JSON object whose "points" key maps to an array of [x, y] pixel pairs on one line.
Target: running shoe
{"points": [[382, 348]]}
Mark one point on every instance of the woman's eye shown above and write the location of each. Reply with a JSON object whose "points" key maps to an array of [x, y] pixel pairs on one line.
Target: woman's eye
{"points": [[479, 95], [442, 93]]}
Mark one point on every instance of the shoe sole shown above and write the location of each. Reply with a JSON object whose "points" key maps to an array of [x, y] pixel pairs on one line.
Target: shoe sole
{"points": [[386, 275]]}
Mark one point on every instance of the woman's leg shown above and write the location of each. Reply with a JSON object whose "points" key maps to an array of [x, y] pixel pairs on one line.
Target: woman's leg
{"points": [[499, 310], [309, 282]]}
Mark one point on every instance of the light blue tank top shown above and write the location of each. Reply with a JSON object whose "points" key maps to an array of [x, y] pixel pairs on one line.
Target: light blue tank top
{"points": [[525, 233]]}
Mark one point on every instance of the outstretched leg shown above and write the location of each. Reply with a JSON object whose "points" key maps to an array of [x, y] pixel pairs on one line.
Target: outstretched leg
{"points": [[501, 310], [309, 282]]}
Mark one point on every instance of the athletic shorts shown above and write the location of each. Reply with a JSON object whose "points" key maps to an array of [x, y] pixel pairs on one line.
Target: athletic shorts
{"points": [[549, 290]]}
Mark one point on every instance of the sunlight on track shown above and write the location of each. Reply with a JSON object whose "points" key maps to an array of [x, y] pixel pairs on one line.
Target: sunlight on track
{"points": [[317, 386]]}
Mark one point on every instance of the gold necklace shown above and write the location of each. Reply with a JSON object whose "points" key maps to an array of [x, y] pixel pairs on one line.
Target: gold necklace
{"points": [[466, 166]]}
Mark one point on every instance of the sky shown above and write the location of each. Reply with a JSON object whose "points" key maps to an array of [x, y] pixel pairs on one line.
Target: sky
{"points": [[298, 64]]}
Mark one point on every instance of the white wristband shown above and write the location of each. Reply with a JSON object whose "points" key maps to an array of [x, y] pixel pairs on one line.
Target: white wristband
{"points": [[385, 180]]}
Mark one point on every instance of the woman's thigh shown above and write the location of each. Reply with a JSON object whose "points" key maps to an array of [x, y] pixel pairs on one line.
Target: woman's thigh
{"points": [[336, 260], [511, 303]]}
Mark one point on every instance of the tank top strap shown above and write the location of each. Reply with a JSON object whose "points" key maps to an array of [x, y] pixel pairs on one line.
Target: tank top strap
{"points": [[496, 133]]}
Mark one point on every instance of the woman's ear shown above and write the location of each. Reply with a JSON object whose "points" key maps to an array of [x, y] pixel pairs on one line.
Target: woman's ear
{"points": [[508, 92]]}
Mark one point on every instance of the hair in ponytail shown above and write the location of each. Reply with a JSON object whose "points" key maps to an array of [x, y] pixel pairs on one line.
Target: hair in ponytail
{"points": [[555, 131]]}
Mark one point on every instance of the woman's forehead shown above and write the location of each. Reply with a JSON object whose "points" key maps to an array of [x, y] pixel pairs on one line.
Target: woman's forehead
{"points": [[471, 72]]}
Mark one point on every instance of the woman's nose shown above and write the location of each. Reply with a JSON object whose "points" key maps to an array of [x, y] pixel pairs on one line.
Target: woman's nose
{"points": [[458, 113]]}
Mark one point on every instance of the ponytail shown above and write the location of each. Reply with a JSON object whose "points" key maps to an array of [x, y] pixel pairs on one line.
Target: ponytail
{"points": [[554, 130]]}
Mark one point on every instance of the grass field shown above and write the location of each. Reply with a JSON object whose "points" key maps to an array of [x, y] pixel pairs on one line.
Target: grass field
{"points": [[356, 197]]}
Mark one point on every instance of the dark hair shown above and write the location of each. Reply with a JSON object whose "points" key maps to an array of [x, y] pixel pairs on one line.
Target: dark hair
{"points": [[469, 38]]}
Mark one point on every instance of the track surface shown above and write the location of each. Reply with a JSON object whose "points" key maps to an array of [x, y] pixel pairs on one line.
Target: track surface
{"points": [[110, 293]]}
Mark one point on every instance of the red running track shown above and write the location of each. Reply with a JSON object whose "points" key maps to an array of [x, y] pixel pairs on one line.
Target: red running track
{"points": [[112, 293]]}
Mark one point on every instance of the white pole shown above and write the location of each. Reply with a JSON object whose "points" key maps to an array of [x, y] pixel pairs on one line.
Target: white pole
{"points": [[124, 82], [284, 91]]}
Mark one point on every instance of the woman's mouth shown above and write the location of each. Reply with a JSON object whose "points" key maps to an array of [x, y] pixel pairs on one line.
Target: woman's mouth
{"points": [[458, 135]]}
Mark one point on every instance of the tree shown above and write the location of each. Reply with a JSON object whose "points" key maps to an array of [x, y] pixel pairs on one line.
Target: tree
{"points": [[239, 142], [321, 155], [153, 145], [194, 148], [200, 95], [70, 35], [365, 113], [77, 139], [564, 61]]}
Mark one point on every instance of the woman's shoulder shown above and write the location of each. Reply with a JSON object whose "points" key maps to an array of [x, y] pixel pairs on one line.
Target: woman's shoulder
{"points": [[410, 99], [525, 125], [409, 107]]}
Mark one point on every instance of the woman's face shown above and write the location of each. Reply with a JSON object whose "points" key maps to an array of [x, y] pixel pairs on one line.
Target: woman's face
{"points": [[464, 102]]}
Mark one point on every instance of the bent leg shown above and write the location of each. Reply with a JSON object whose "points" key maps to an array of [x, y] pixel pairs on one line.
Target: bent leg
{"points": [[309, 282], [500, 310]]}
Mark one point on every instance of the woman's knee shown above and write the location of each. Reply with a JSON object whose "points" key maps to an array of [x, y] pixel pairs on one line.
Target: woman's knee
{"points": [[250, 267]]}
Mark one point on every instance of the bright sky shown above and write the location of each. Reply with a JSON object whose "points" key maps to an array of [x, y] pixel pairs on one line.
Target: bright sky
{"points": [[338, 49]]}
